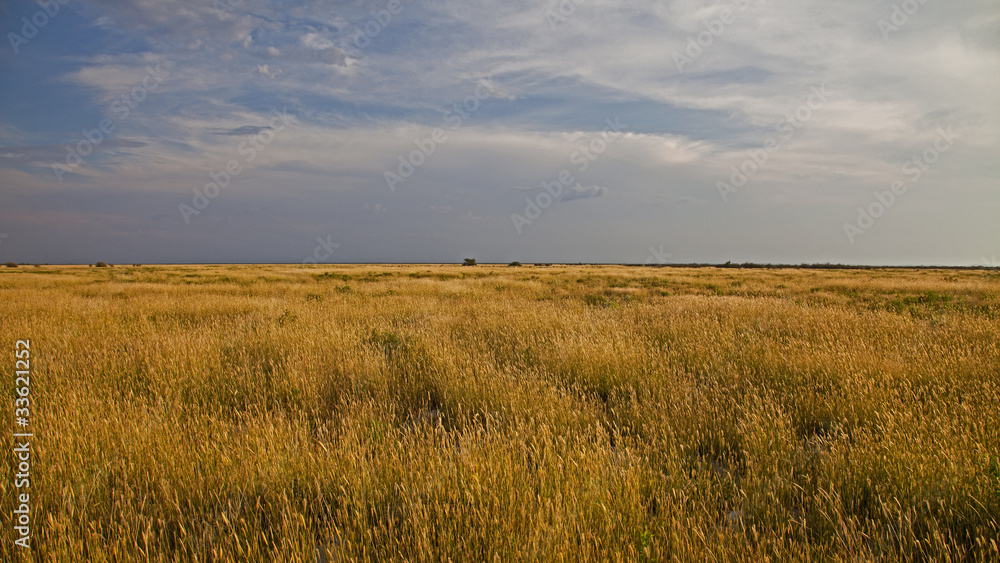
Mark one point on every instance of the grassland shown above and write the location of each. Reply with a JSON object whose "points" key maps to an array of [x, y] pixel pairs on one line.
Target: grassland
{"points": [[430, 413]]}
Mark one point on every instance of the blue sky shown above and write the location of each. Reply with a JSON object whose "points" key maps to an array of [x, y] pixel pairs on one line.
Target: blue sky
{"points": [[685, 131]]}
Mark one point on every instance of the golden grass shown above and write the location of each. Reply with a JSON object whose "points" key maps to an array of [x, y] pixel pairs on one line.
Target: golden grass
{"points": [[432, 413]]}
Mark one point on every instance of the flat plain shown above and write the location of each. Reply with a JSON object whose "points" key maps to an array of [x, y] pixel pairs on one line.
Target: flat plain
{"points": [[494, 413]]}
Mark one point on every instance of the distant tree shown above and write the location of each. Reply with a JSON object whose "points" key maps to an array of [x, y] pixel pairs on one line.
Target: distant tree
{"points": [[514, 264], [101, 265], [469, 262], [11, 264]]}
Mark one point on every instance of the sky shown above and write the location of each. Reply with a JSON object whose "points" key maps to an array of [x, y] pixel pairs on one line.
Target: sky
{"points": [[627, 131]]}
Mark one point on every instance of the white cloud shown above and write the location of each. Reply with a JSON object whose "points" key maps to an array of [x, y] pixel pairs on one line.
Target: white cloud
{"points": [[264, 70], [580, 192]]}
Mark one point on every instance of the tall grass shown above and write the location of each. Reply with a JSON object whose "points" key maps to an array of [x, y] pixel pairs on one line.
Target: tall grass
{"points": [[428, 413]]}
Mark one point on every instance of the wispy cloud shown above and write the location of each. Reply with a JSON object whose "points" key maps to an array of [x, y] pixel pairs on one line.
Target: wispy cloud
{"points": [[580, 192], [241, 131]]}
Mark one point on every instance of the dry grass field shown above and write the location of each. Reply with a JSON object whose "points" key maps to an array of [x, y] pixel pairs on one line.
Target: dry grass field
{"points": [[493, 413]]}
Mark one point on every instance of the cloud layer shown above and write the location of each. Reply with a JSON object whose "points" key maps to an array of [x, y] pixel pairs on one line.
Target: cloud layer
{"points": [[744, 131]]}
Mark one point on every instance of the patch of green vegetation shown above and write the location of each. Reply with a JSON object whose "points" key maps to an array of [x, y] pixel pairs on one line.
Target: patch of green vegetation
{"points": [[375, 276], [327, 276], [437, 276], [608, 300], [598, 300], [287, 317], [389, 343], [915, 303], [652, 283]]}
